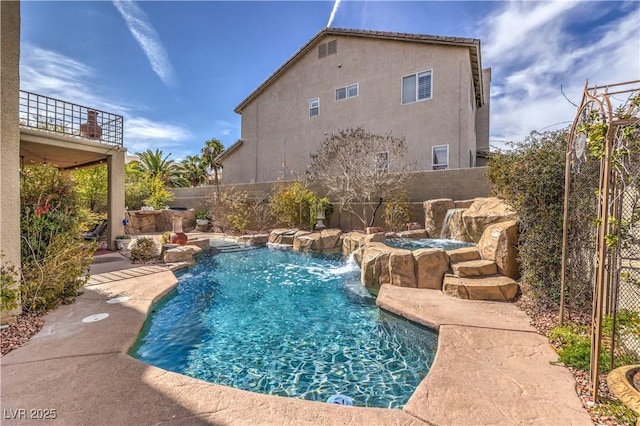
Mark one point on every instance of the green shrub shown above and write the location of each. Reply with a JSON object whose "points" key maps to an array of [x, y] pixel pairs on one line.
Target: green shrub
{"points": [[160, 195], [530, 178], [297, 206], [397, 211], [9, 290], [236, 210], [144, 249], [54, 259]]}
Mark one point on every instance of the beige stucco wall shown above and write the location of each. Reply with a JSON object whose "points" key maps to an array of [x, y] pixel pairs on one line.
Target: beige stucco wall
{"points": [[9, 138], [279, 135], [457, 184]]}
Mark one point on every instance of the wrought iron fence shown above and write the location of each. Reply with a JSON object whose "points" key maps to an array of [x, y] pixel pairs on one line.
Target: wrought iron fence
{"points": [[54, 115], [601, 244]]}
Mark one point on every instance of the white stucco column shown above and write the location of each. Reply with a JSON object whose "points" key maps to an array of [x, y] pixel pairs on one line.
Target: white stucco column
{"points": [[10, 141], [115, 206]]}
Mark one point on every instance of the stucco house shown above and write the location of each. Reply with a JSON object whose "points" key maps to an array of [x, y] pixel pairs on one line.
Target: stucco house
{"points": [[430, 89]]}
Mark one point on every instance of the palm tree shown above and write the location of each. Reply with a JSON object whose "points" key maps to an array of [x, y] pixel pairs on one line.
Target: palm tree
{"points": [[193, 170], [153, 164], [210, 153]]}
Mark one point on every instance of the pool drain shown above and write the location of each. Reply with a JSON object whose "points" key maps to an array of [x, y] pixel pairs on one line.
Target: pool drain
{"points": [[118, 299], [340, 400], [94, 318]]}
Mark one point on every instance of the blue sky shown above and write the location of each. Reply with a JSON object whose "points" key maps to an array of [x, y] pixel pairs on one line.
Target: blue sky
{"points": [[176, 70]]}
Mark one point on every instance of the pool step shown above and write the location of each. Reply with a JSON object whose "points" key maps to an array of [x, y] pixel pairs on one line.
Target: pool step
{"points": [[494, 287], [464, 254], [474, 268], [224, 246]]}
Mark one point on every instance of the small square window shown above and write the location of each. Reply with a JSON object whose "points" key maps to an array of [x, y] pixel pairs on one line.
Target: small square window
{"points": [[440, 157], [341, 93], [352, 91], [314, 107], [416, 87]]}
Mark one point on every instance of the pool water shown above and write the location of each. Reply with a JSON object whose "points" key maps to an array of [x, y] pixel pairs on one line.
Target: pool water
{"points": [[416, 244], [284, 323]]}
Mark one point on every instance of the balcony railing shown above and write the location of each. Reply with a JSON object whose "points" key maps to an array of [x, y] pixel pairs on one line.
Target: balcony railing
{"points": [[53, 115]]}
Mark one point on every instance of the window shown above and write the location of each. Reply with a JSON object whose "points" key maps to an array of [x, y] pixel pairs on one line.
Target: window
{"points": [[314, 107], [330, 48], [440, 157], [382, 162], [347, 92], [416, 87]]}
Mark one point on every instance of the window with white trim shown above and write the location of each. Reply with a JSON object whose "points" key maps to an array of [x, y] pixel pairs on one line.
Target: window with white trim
{"points": [[382, 162], [314, 107], [440, 157], [416, 87], [346, 92]]}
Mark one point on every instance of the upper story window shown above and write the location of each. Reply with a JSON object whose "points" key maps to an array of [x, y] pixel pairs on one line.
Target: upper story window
{"points": [[314, 107], [440, 157], [382, 162], [330, 48], [416, 87], [347, 92]]}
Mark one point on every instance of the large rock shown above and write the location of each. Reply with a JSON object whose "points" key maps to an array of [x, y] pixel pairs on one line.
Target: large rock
{"points": [[499, 243], [282, 236], [375, 267], [434, 213], [431, 265], [463, 204], [180, 254], [475, 268], [415, 234], [402, 268], [484, 212], [331, 239], [352, 241], [308, 242], [480, 288], [464, 254], [454, 228]]}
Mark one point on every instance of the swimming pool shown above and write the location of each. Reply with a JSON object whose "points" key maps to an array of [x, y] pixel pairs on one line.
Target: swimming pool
{"points": [[284, 323]]}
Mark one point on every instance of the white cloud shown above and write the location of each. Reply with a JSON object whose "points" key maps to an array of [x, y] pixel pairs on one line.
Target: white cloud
{"points": [[147, 38], [143, 130], [532, 53]]}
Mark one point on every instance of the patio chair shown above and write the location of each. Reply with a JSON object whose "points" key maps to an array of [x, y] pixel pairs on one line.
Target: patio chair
{"points": [[95, 233]]}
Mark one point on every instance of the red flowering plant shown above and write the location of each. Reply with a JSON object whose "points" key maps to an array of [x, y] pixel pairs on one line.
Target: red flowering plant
{"points": [[54, 257]]}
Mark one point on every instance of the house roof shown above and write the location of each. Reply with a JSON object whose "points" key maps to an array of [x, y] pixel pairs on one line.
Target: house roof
{"points": [[471, 43], [237, 144]]}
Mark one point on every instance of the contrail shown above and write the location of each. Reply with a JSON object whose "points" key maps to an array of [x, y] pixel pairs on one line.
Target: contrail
{"points": [[147, 38], [336, 5]]}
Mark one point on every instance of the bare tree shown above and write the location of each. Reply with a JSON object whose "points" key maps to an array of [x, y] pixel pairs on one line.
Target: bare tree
{"points": [[359, 170]]}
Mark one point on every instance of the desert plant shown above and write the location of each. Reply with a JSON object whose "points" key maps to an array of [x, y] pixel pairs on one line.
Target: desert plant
{"points": [[295, 205], [397, 211], [144, 249], [160, 195], [358, 168], [9, 289]]}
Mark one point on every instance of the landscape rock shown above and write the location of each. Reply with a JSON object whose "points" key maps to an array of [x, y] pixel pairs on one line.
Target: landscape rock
{"points": [[282, 236], [415, 234], [434, 213], [308, 242], [352, 241], [374, 230], [474, 268], [375, 267], [402, 268], [431, 265], [331, 239], [498, 288], [499, 243], [180, 254], [463, 204], [484, 212], [464, 254]]}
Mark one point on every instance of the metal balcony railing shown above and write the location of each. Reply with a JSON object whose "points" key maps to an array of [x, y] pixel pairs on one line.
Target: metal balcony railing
{"points": [[53, 115]]}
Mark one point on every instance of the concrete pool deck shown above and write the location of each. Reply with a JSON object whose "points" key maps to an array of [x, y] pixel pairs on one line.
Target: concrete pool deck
{"points": [[491, 368]]}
